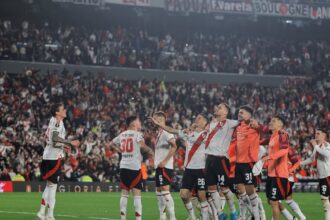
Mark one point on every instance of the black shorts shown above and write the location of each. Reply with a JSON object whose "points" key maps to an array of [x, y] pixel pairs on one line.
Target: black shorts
{"points": [[244, 174], [51, 170], [193, 179], [130, 179], [217, 171], [277, 188], [325, 186], [291, 184], [163, 177]]}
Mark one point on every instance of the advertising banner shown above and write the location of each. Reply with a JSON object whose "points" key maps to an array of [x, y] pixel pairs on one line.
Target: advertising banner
{"points": [[281, 9], [6, 186], [69, 187]]}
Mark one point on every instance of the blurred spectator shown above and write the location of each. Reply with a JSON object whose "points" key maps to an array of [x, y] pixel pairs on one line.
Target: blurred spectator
{"points": [[125, 47]]}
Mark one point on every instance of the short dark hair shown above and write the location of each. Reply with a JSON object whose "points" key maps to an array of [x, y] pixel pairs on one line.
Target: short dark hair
{"points": [[130, 119], [281, 118], [247, 108], [226, 105], [323, 130], [160, 114], [204, 116], [55, 108]]}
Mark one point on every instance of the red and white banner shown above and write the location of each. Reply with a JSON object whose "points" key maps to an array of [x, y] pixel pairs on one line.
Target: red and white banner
{"points": [[6, 186], [318, 12], [281, 9]]}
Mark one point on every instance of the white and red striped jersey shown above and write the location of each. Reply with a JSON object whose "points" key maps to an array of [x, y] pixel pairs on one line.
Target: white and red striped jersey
{"points": [[195, 149], [219, 137]]}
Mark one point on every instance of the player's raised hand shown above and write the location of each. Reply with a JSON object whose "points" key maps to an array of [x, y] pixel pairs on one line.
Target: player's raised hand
{"points": [[254, 123], [156, 122], [75, 143], [313, 142], [162, 164]]}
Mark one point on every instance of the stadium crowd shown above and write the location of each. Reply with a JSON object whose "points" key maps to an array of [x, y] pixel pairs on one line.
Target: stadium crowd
{"points": [[138, 48], [97, 107]]}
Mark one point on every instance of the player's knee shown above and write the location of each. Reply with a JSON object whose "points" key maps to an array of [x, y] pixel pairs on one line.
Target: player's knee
{"points": [[184, 195], [274, 203], [165, 188], [250, 189], [212, 188], [240, 188], [202, 196], [325, 202], [51, 184]]}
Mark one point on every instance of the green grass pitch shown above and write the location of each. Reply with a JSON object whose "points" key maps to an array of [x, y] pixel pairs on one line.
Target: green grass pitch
{"points": [[70, 206]]}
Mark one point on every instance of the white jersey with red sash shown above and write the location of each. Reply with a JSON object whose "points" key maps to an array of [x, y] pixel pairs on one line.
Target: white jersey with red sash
{"points": [[219, 137], [195, 149]]}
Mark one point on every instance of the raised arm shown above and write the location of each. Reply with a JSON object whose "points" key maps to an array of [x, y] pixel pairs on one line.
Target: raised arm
{"points": [[145, 149], [57, 139], [165, 127]]}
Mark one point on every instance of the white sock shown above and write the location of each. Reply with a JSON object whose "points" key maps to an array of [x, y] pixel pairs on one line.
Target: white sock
{"points": [[287, 215], [262, 212], [123, 206], [230, 198], [161, 205], [244, 203], [255, 205], [44, 201], [222, 202], [217, 201], [190, 210], [212, 209], [295, 207], [169, 204], [138, 207], [51, 199], [326, 207], [205, 210], [195, 203]]}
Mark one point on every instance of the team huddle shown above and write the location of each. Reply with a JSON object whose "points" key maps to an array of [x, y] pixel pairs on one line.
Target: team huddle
{"points": [[223, 160]]}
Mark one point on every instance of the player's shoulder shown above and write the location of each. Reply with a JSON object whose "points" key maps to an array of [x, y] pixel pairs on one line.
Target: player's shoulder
{"points": [[283, 134], [233, 122], [168, 135], [327, 145]]}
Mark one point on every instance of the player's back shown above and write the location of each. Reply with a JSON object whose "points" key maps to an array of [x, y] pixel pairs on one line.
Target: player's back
{"points": [[51, 152], [162, 147], [129, 142]]}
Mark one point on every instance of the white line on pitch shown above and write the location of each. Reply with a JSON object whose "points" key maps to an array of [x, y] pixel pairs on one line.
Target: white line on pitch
{"points": [[60, 215], [32, 213]]}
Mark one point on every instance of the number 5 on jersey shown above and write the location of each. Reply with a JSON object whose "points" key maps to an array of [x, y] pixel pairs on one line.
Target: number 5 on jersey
{"points": [[127, 145]]}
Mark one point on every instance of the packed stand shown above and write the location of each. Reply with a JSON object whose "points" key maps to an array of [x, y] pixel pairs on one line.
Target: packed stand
{"points": [[97, 107], [138, 48]]}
